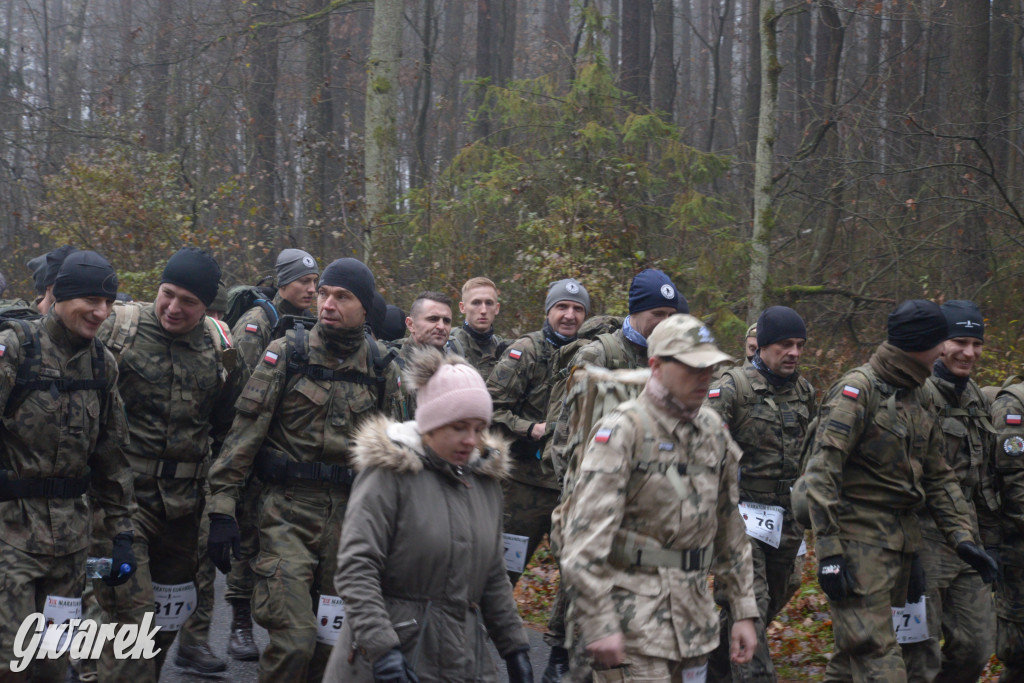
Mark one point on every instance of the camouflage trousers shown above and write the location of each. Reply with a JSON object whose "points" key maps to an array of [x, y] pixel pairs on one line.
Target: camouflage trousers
{"points": [[1009, 600], [26, 579], [777, 575], [961, 621], [197, 628], [299, 531], [865, 642], [527, 513], [642, 669], [165, 550]]}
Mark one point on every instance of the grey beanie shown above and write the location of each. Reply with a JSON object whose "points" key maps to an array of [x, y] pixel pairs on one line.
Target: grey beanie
{"points": [[568, 289], [293, 264]]}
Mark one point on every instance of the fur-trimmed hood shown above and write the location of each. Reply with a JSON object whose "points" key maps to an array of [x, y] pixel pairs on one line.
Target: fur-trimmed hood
{"points": [[398, 446]]}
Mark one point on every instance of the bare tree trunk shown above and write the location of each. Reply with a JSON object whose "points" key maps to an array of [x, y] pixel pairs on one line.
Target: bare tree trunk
{"points": [[752, 92], [320, 127], [450, 47], [262, 102], [764, 210], [158, 83], [716, 68], [636, 50], [381, 104], [664, 57], [1001, 65], [801, 68]]}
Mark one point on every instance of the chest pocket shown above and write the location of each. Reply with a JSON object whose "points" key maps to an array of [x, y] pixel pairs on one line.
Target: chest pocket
{"points": [[148, 362], [357, 402], [303, 403]]}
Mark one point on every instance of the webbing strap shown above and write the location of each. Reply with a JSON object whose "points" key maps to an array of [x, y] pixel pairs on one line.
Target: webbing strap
{"points": [[168, 469], [633, 550], [43, 487]]}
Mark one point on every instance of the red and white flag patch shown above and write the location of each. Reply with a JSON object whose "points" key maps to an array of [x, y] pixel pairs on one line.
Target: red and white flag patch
{"points": [[714, 393], [3, 350], [851, 392], [252, 328], [270, 358], [602, 435], [515, 354], [1013, 419]]}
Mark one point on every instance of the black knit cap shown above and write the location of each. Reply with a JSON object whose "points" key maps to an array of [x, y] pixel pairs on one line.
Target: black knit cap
{"points": [[353, 275], [375, 316], [195, 270], [37, 267], [85, 274], [49, 270], [777, 323], [964, 319], [917, 325], [394, 324]]}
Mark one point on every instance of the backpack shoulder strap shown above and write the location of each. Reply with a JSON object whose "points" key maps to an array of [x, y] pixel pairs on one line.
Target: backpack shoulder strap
{"points": [[126, 326]]}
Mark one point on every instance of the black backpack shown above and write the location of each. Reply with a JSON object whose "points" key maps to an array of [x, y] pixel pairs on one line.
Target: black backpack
{"points": [[243, 297]]}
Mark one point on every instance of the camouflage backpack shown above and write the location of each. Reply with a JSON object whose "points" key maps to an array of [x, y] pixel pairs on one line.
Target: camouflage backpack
{"points": [[592, 393]]}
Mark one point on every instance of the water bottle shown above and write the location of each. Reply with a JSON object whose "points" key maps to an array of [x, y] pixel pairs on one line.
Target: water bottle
{"points": [[99, 567]]}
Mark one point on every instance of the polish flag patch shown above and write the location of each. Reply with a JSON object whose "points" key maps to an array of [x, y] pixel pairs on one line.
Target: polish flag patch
{"points": [[602, 435], [714, 393], [252, 328], [851, 392], [1013, 419], [515, 354], [3, 350], [270, 358]]}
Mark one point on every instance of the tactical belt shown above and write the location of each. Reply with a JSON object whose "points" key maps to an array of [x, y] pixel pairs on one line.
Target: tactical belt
{"points": [[756, 485], [48, 487], [633, 550], [275, 467], [168, 469]]}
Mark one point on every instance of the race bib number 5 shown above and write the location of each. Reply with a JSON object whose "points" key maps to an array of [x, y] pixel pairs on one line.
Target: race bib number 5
{"points": [[764, 522], [330, 615]]}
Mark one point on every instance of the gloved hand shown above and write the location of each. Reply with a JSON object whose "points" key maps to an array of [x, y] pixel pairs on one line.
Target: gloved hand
{"points": [[519, 668], [917, 585], [834, 578], [391, 667], [980, 560], [123, 554], [225, 541]]}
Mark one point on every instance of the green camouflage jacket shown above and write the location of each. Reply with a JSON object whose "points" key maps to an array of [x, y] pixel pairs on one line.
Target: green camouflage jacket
{"points": [[483, 357], [866, 479], [62, 434], [252, 333], [179, 399], [1008, 419], [310, 420], [653, 489]]}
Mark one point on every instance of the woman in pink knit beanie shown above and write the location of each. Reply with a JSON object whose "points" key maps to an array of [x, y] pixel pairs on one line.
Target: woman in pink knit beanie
{"points": [[421, 564]]}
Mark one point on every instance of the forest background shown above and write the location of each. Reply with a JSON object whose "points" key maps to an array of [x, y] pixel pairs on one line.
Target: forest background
{"points": [[835, 156]]}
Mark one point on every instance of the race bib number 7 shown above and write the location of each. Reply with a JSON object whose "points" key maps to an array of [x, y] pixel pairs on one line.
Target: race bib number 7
{"points": [[764, 522], [909, 622]]}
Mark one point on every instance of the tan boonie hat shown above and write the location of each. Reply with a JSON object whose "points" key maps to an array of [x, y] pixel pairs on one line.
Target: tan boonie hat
{"points": [[752, 331], [685, 339]]}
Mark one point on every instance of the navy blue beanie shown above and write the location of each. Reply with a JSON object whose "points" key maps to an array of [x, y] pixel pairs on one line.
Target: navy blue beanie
{"points": [[353, 275], [964, 319], [653, 289], [777, 323]]}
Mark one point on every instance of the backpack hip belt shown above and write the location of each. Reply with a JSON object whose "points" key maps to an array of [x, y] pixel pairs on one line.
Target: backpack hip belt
{"points": [[43, 487], [275, 467], [630, 549], [168, 469], [756, 485]]}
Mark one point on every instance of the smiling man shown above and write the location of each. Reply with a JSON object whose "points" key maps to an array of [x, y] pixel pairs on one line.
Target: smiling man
{"points": [[767, 406], [295, 422], [961, 619], [475, 339]]}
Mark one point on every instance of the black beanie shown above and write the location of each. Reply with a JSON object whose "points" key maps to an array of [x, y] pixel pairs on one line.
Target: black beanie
{"points": [[917, 325], [85, 274], [375, 316], [54, 260], [354, 276], [652, 289], [964, 319], [38, 268], [777, 323], [195, 270], [394, 324]]}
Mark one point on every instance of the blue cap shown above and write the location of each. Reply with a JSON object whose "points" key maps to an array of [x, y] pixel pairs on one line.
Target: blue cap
{"points": [[653, 289]]}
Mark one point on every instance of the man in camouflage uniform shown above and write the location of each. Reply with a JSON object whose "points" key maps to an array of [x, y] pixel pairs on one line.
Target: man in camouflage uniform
{"points": [[875, 460], [767, 406], [429, 323], [961, 620], [61, 436], [475, 340], [178, 391], [653, 510], [1008, 419], [750, 341], [295, 421], [652, 298], [520, 387]]}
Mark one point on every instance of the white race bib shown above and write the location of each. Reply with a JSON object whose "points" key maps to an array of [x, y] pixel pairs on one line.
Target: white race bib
{"points": [[802, 550], [330, 615], [515, 552], [696, 674], [764, 522], [174, 604], [60, 610], [910, 622]]}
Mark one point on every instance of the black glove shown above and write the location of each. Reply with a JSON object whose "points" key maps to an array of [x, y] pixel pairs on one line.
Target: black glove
{"points": [[224, 541], [392, 668], [917, 584], [519, 668], [123, 554], [834, 578], [980, 560]]}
